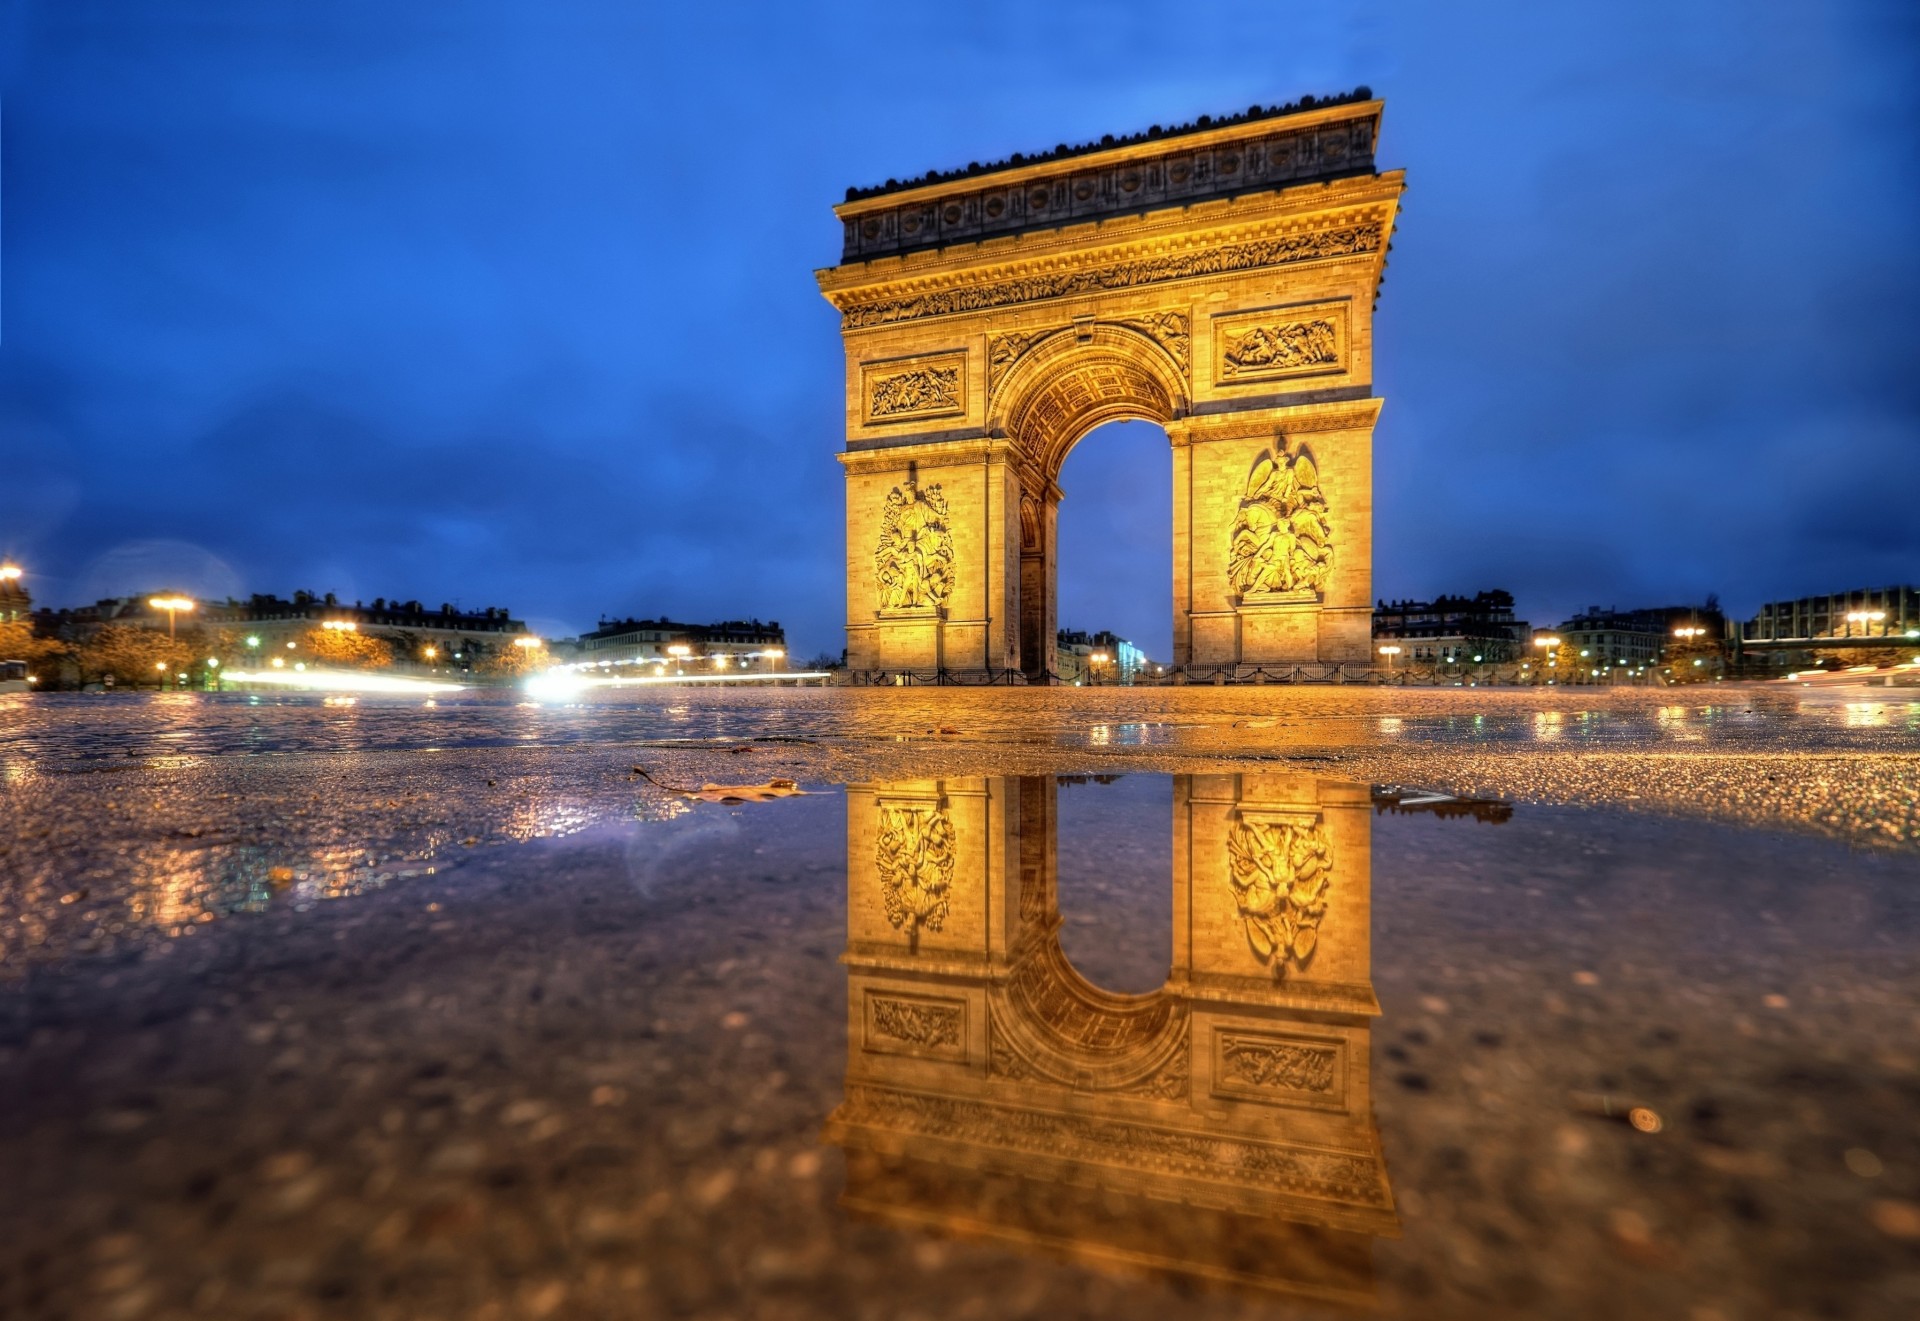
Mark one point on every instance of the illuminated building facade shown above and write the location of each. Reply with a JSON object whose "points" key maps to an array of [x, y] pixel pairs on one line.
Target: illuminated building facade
{"points": [[1220, 1126], [1635, 637], [1217, 279], [631, 641], [1450, 630], [1878, 612]]}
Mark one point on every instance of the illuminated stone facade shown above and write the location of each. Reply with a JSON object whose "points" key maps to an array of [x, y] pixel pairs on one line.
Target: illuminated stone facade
{"points": [[1220, 1126], [1218, 281]]}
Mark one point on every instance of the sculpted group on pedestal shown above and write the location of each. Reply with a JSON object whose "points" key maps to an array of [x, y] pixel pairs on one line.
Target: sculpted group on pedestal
{"points": [[914, 559], [1282, 540]]}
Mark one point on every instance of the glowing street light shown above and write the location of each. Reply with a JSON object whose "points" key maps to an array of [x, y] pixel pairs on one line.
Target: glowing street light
{"points": [[253, 640], [340, 625], [1685, 631], [9, 572], [1390, 651], [170, 604], [430, 652], [528, 642], [1864, 618]]}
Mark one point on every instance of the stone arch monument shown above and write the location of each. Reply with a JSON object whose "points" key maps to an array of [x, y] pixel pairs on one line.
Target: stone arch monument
{"points": [[1216, 279]]}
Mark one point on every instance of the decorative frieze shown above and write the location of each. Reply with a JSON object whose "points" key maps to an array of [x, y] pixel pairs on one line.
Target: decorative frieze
{"points": [[1280, 250], [1286, 1070], [916, 1025], [1279, 869], [1282, 542], [899, 393]]}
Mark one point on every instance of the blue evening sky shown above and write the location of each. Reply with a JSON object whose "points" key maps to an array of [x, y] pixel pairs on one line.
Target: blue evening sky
{"points": [[513, 302]]}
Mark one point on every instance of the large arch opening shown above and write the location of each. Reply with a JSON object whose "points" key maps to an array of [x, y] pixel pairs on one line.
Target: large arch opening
{"points": [[1115, 541], [1059, 390]]}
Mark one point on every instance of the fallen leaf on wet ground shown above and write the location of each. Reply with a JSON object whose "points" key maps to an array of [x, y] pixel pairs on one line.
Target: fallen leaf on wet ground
{"points": [[729, 793]]}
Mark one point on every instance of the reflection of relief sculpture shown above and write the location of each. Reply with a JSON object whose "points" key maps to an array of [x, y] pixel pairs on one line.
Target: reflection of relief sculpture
{"points": [[1283, 348], [1282, 539], [928, 390], [915, 859], [914, 560], [917, 1022], [1279, 872], [1281, 1065]]}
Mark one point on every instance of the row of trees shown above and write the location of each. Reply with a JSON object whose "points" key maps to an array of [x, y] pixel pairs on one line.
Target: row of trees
{"points": [[129, 656]]}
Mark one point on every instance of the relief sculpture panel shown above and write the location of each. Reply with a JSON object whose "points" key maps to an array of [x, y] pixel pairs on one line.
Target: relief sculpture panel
{"points": [[1282, 543], [1278, 344], [913, 562]]}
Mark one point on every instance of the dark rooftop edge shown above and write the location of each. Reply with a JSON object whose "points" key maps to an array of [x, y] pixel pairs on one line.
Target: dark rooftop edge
{"points": [[1153, 134]]}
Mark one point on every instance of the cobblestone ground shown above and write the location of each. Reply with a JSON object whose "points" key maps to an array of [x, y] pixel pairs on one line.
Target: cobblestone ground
{"points": [[310, 1009]]}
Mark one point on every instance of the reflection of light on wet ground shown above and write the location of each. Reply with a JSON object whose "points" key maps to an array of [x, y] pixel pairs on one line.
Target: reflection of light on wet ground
{"points": [[1868, 715], [1546, 725], [1391, 725]]}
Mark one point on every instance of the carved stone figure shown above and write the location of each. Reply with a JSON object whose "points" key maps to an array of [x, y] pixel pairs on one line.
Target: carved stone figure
{"points": [[914, 855], [1284, 347], [1280, 871], [914, 561], [1282, 538]]}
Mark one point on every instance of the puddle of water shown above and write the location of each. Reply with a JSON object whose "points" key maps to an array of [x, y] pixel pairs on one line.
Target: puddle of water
{"points": [[1126, 1045]]}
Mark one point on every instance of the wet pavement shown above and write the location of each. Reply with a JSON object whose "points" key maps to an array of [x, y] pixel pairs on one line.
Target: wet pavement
{"points": [[1210, 1003]]}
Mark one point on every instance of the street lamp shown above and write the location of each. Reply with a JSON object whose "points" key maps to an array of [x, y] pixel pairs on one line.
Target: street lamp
{"points": [[774, 656], [679, 651], [340, 625], [1390, 651], [1865, 618], [170, 604], [9, 572], [528, 642], [1094, 662]]}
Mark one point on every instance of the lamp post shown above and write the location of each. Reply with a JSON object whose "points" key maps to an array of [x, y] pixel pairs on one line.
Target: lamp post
{"points": [[679, 651], [774, 656], [1094, 662], [170, 604], [1390, 651]]}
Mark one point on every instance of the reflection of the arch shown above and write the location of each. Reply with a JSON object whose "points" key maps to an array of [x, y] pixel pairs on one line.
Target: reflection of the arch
{"points": [[1221, 1126]]}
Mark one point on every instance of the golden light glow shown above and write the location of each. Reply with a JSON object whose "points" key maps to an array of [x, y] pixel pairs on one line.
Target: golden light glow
{"points": [[8, 572], [340, 625], [161, 666], [679, 649], [1546, 642], [1389, 651], [339, 681], [528, 642], [431, 652], [170, 603]]}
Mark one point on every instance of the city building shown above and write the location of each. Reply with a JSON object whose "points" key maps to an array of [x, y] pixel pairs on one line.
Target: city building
{"points": [[443, 637], [1103, 657], [1612, 637], [664, 641], [1452, 629], [16, 603], [1880, 612]]}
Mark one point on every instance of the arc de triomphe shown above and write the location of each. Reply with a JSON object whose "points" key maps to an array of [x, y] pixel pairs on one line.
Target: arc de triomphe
{"points": [[1218, 280]]}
